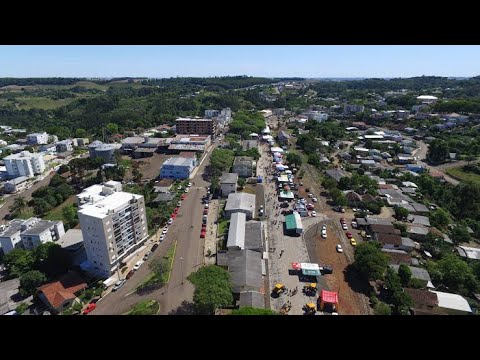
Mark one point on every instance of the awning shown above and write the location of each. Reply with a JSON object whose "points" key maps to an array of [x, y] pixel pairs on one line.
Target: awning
{"points": [[311, 272], [329, 297]]}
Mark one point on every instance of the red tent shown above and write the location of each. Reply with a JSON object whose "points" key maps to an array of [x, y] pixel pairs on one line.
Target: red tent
{"points": [[329, 297], [296, 266]]}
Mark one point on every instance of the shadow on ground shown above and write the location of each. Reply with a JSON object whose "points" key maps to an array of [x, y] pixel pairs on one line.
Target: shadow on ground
{"points": [[186, 308], [356, 282]]}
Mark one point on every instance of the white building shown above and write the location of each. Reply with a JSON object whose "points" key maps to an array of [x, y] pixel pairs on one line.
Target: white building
{"points": [[28, 234], [228, 183], [64, 146], [211, 113], [17, 184], [24, 164], [37, 138], [177, 168], [113, 224]]}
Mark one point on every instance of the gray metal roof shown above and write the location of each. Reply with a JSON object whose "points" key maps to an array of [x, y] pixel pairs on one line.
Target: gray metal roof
{"points": [[252, 298], [40, 227], [164, 197], [418, 220], [420, 207], [72, 239], [240, 201], [229, 178], [245, 268], [417, 273], [12, 228], [421, 230], [254, 235], [336, 173], [236, 231]]}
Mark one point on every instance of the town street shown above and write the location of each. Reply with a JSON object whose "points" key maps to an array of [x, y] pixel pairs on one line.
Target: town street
{"points": [[185, 230]]}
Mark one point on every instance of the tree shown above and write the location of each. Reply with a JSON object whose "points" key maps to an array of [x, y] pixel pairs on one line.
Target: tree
{"points": [[405, 274], [19, 204], [212, 289], [137, 175], [370, 262], [394, 293], [248, 310], [241, 182], [460, 235], [438, 151], [338, 197], [381, 308], [401, 213], [112, 128], [294, 158], [440, 217], [19, 261], [80, 133], [329, 183], [30, 281], [313, 159], [51, 259], [70, 216]]}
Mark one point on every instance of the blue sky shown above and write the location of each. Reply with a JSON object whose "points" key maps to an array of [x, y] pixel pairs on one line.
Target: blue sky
{"points": [[220, 60]]}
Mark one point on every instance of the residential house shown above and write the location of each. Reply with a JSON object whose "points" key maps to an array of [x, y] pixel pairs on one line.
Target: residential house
{"points": [[228, 183], [429, 302], [243, 166], [240, 202], [417, 273], [336, 173], [283, 137], [418, 233]]}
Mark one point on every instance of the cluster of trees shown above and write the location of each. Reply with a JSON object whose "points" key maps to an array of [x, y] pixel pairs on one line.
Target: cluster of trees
{"points": [[336, 194], [370, 262], [38, 81], [36, 267], [234, 144], [213, 289], [467, 145], [212, 83], [248, 310], [393, 292], [358, 183], [244, 123], [48, 197]]}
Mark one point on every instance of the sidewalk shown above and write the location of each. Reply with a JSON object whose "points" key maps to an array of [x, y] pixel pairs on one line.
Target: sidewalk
{"points": [[211, 237]]}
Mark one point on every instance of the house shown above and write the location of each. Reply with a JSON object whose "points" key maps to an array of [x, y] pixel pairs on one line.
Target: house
{"points": [[243, 166], [367, 163], [354, 199], [59, 295], [244, 234], [417, 273], [418, 220], [164, 197], [336, 173], [469, 252], [64, 146], [398, 257], [283, 137], [249, 144], [163, 186], [240, 202], [424, 302], [429, 302], [246, 276], [228, 183], [452, 304], [418, 233], [456, 118]]}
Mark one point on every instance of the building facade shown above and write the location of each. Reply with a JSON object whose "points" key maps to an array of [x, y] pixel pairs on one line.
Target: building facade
{"points": [[24, 164], [211, 113], [196, 126], [113, 224], [64, 146], [177, 168], [243, 166], [37, 138], [16, 184], [228, 184]]}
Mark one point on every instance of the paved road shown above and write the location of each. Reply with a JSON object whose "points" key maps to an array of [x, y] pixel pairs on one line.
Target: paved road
{"points": [[27, 194], [186, 232]]}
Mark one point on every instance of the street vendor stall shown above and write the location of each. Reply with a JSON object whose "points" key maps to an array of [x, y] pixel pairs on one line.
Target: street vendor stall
{"points": [[310, 269], [328, 297]]}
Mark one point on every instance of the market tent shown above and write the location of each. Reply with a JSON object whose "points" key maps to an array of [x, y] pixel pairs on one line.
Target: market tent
{"points": [[329, 297], [277, 154], [310, 269], [296, 266], [288, 172], [277, 149]]}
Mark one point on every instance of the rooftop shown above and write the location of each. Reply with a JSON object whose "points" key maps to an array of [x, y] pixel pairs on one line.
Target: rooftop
{"points": [[417, 273], [72, 239], [39, 227], [245, 268], [452, 301], [253, 235], [192, 119], [336, 173], [236, 231], [420, 230], [418, 220], [64, 289], [229, 178], [422, 298], [178, 161], [108, 204], [240, 201], [22, 155], [469, 252]]}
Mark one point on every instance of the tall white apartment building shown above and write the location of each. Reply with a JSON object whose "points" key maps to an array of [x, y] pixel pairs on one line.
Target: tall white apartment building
{"points": [[113, 223], [24, 164], [37, 138]]}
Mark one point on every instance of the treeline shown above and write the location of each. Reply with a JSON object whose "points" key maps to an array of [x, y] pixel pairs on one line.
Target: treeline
{"points": [[244, 123], [38, 81], [223, 82], [459, 106]]}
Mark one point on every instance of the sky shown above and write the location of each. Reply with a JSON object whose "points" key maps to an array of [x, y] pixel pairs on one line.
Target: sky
{"points": [[312, 61]]}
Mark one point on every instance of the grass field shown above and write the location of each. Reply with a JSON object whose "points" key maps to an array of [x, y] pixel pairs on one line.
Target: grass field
{"points": [[26, 103], [459, 174], [56, 213], [147, 307]]}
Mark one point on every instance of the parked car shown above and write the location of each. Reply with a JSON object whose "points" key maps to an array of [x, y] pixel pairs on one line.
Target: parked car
{"points": [[145, 257], [179, 204], [326, 269], [205, 211], [164, 231], [119, 284], [353, 242], [186, 190], [349, 235], [344, 226], [189, 184], [154, 247], [311, 195], [162, 237], [339, 248], [203, 233], [260, 212], [90, 307], [170, 221], [314, 199], [205, 206], [138, 264], [313, 213], [354, 224], [130, 274]]}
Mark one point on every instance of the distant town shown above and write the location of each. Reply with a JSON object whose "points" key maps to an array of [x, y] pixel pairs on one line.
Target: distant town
{"points": [[239, 196]]}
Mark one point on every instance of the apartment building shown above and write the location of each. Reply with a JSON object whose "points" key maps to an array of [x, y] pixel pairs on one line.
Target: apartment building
{"points": [[64, 146], [113, 224], [196, 126], [37, 138], [177, 168], [24, 164]]}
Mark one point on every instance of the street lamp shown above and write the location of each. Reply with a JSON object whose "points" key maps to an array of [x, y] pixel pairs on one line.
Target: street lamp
{"points": [[181, 265]]}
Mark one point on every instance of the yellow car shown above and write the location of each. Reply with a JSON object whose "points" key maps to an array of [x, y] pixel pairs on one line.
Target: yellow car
{"points": [[353, 242]]}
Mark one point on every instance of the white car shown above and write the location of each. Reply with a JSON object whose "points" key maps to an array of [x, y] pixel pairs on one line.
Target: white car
{"points": [[324, 227], [354, 224], [311, 195], [186, 190], [137, 265], [179, 204], [162, 237], [313, 213], [119, 284], [344, 226], [189, 184], [164, 231], [170, 221], [206, 206], [339, 248], [179, 187], [324, 234], [314, 199]]}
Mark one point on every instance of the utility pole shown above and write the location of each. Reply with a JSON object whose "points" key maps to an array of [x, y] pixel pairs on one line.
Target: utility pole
{"points": [[181, 265]]}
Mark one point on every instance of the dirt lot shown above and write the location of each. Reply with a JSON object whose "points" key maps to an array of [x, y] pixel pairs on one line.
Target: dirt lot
{"points": [[150, 166]]}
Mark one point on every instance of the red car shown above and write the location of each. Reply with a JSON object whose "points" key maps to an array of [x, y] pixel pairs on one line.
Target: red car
{"points": [[176, 210], [174, 215], [90, 308], [183, 196], [204, 226], [205, 211], [349, 235], [202, 234]]}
